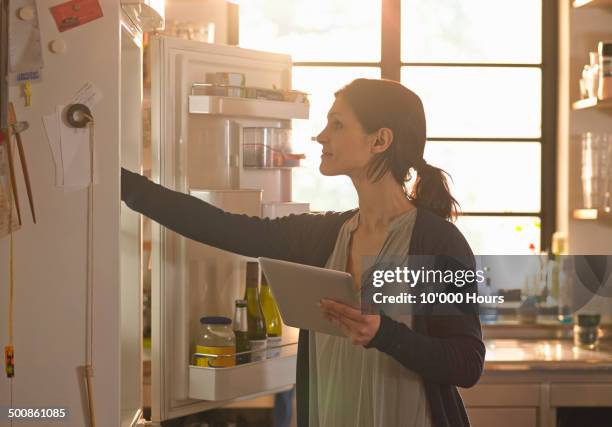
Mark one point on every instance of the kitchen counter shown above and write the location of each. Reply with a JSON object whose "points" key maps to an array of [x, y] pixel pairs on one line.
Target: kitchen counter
{"points": [[527, 381], [545, 355]]}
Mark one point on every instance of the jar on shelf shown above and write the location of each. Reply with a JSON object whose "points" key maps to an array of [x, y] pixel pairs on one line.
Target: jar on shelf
{"points": [[595, 171], [216, 339], [604, 90], [585, 82], [593, 80]]}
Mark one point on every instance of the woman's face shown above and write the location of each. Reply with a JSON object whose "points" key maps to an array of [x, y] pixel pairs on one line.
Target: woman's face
{"points": [[346, 146]]}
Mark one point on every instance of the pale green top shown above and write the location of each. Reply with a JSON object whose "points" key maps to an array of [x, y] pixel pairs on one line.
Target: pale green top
{"points": [[358, 387]]}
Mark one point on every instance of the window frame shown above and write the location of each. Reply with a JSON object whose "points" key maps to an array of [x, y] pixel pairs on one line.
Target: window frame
{"points": [[391, 64]]}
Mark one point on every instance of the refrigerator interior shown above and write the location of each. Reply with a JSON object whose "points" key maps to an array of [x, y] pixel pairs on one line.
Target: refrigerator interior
{"points": [[199, 151]]}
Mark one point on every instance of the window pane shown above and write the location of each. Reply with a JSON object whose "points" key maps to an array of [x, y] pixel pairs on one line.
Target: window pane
{"points": [[472, 31], [323, 193], [512, 171], [339, 30], [478, 102], [501, 235]]}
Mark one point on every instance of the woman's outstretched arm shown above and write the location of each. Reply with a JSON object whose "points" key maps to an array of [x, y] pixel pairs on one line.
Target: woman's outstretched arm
{"points": [[293, 238]]}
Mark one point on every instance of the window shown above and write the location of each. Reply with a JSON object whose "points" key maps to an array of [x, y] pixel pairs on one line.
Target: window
{"points": [[331, 43], [485, 70]]}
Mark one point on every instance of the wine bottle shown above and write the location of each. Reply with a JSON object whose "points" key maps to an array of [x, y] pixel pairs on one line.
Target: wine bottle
{"points": [[255, 320], [274, 324], [241, 332]]}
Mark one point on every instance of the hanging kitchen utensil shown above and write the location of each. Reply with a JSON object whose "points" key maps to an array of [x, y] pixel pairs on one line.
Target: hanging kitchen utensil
{"points": [[17, 128]]}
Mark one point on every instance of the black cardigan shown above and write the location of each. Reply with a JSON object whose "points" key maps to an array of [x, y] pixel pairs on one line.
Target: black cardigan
{"points": [[446, 351]]}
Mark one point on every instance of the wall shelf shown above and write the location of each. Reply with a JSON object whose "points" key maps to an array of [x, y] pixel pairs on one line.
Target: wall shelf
{"points": [[591, 3], [247, 107], [601, 215], [584, 104]]}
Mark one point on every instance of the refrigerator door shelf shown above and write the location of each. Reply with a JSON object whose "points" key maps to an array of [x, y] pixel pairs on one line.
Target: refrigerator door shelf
{"points": [[245, 107], [276, 183], [280, 209], [270, 375], [264, 168], [244, 201]]}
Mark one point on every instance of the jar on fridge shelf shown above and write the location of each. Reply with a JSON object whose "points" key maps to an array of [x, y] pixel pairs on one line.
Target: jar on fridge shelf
{"points": [[230, 84], [216, 339]]}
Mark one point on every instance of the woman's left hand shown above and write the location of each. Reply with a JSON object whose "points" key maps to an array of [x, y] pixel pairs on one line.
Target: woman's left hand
{"points": [[360, 328]]}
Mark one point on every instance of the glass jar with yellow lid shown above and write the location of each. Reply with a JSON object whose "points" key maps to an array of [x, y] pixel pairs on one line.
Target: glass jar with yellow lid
{"points": [[216, 338]]}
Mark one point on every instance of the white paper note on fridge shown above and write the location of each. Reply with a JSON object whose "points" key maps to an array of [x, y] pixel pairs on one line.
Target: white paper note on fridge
{"points": [[75, 149], [51, 124]]}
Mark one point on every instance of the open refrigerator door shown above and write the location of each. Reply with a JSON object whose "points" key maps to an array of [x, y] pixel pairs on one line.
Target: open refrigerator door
{"points": [[220, 131], [130, 223], [137, 16]]}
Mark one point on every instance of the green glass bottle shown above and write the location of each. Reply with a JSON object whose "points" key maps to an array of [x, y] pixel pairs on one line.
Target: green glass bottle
{"points": [[274, 323], [241, 331], [255, 319]]}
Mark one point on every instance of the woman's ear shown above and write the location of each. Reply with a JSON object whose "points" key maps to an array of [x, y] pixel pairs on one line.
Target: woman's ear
{"points": [[382, 139]]}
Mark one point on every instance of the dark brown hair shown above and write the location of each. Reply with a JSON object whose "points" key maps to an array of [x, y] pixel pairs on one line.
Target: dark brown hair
{"points": [[388, 104]]}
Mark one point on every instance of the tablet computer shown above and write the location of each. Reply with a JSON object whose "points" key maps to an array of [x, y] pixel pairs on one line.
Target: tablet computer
{"points": [[298, 288]]}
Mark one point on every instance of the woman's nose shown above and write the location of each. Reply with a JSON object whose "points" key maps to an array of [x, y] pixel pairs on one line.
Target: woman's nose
{"points": [[320, 137]]}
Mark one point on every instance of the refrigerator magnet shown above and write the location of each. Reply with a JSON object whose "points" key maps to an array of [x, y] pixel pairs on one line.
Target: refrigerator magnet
{"points": [[74, 13]]}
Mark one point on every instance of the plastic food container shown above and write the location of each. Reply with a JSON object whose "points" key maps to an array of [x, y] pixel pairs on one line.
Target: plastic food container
{"points": [[268, 147], [257, 147]]}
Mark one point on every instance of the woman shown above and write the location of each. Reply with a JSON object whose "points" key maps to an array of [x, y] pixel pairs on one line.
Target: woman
{"points": [[388, 372]]}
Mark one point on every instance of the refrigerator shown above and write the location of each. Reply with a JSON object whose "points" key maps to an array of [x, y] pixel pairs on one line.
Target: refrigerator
{"points": [[67, 313], [220, 143], [204, 141]]}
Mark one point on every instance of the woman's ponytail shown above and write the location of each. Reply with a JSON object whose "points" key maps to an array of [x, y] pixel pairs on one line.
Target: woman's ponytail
{"points": [[431, 191]]}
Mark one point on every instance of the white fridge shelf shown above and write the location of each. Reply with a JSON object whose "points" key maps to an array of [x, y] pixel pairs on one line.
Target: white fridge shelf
{"points": [[269, 375], [246, 107], [280, 209]]}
